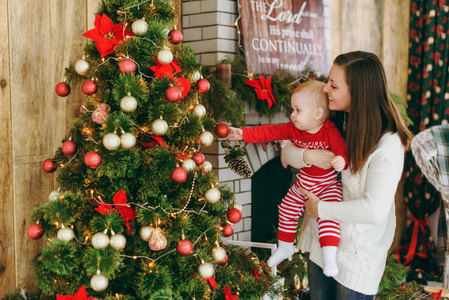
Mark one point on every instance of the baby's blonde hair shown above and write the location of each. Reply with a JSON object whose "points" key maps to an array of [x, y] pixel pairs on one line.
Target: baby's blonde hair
{"points": [[314, 91]]}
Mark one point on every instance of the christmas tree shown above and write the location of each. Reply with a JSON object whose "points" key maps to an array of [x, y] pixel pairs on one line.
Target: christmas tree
{"points": [[138, 213]]}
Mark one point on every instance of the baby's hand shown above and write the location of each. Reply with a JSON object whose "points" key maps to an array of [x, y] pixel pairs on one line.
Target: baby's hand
{"points": [[338, 163], [236, 134]]}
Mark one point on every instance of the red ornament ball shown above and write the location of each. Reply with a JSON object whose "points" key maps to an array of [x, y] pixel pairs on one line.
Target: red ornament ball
{"points": [[225, 261], [49, 166], [198, 158], [228, 230], [35, 231], [127, 66], [68, 147], [222, 130], [89, 87], [179, 175], [234, 215], [92, 159], [184, 247], [62, 89], [173, 94], [202, 86], [175, 36]]}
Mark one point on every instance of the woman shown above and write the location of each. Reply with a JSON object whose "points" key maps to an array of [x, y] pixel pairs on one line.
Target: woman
{"points": [[376, 138]]}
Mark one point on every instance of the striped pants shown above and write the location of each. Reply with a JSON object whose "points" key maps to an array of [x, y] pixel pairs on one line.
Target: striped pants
{"points": [[327, 188]]}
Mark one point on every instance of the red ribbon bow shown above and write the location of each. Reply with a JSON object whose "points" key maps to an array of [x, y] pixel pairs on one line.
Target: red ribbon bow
{"points": [[262, 87], [81, 294], [228, 294], [160, 142], [437, 295], [418, 224], [169, 70], [125, 211], [256, 274], [211, 282]]}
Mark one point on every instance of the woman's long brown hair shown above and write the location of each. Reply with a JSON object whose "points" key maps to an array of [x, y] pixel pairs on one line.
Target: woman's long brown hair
{"points": [[373, 112]]}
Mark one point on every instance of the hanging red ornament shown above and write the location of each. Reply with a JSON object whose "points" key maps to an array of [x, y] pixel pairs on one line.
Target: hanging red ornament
{"points": [[234, 215], [198, 158], [202, 86], [92, 159], [222, 130], [179, 175], [127, 66], [173, 94], [49, 166], [228, 230], [225, 260], [62, 89], [35, 231], [68, 147], [175, 36], [184, 247], [89, 87]]}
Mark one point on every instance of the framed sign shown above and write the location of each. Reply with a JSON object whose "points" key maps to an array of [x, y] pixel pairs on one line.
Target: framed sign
{"points": [[283, 34]]}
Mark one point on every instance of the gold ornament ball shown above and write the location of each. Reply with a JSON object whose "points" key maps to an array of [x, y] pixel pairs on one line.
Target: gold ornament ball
{"points": [[82, 67], [206, 138], [117, 241], [128, 140], [199, 110], [65, 234], [188, 164], [140, 27], [145, 233], [213, 195], [128, 103], [111, 141], [100, 240], [207, 166], [159, 127], [219, 254], [206, 270], [99, 282]]}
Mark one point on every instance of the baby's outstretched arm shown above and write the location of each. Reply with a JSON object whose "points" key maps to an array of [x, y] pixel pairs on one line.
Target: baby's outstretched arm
{"points": [[338, 163], [236, 134]]}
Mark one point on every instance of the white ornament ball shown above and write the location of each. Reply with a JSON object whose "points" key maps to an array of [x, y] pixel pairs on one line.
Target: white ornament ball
{"points": [[207, 166], [54, 196], [128, 140], [159, 127], [219, 254], [206, 139], [140, 26], [111, 141], [206, 270], [145, 233], [195, 76], [236, 205], [199, 110], [65, 234], [128, 103], [165, 56], [212, 195], [189, 164], [82, 67], [100, 240], [99, 282], [117, 241]]}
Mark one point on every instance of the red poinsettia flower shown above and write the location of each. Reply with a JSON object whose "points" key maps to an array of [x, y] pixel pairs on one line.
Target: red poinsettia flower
{"points": [[81, 294], [125, 211], [262, 87], [106, 34], [228, 294], [169, 70]]}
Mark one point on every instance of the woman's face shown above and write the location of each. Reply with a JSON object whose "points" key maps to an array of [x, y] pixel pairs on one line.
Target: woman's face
{"points": [[338, 90]]}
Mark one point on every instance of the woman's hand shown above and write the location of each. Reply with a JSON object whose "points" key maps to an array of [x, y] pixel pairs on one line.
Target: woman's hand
{"points": [[319, 158], [311, 203]]}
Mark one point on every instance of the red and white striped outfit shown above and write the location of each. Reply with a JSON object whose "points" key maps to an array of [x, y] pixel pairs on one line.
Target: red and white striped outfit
{"points": [[323, 183]]}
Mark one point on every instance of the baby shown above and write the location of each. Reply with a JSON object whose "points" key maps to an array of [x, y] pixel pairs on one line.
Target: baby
{"points": [[309, 128]]}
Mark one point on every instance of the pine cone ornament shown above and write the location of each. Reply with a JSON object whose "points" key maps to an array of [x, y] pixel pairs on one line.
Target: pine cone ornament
{"points": [[234, 158]]}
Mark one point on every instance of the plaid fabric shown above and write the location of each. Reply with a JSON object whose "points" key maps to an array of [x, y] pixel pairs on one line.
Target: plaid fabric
{"points": [[441, 135]]}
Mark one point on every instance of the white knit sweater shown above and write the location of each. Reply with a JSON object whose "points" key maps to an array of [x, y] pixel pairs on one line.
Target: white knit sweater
{"points": [[367, 218]]}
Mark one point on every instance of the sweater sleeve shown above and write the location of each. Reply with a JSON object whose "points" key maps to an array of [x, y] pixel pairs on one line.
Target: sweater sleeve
{"points": [[337, 142], [267, 133], [382, 176]]}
